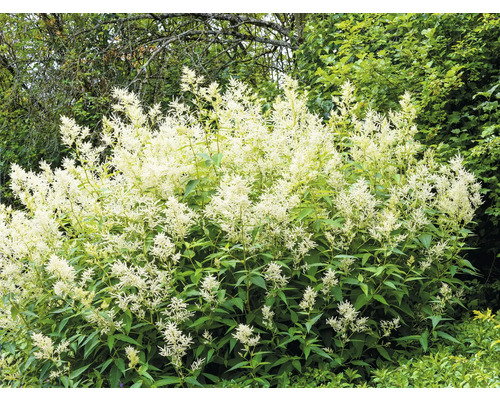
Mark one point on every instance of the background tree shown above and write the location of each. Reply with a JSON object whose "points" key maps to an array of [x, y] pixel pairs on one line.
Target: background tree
{"points": [[67, 64]]}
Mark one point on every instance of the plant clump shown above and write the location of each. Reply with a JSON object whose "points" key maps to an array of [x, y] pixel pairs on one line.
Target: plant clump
{"points": [[222, 241]]}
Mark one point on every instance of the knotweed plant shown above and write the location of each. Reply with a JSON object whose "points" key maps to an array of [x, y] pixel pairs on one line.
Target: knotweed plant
{"points": [[170, 246]]}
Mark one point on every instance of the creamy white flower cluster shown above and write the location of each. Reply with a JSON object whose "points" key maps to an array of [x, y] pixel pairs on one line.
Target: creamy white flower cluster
{"points": [[176, 344], [105, 321], [209, 289], [177, 310], [244, 335], [388, 326], [273, 275], [267, 316], [47, 349], [308, 299], [140, 288], [329, 281], [164, 248], [132, 356], [445, 297], [348, 323]]}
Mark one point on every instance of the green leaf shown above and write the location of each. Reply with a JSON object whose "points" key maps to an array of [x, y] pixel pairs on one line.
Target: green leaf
{"points": [[127, 339], [316, 318], [114, 376], [127, 320], [217, 158], [65, 381], [380, 299], [328, 200], [304, 213], [14, 312], [425, 240], [143, 372], [410, 338], [337, 293], [238, 302], [90, 337], [335, 223], [190, 186], [78, 372], [280, 361], [259, 281], [320, 352], [210, 354], [213, 378], [30, 360], [61, 310], [365, 259], [282, 296], [240, 280], [120, 364], [297, 366], [310, 323], [351, 281], [166, 381], [435, 320], [111, 342], [307, 351], [359, 345], [423, 340], [90, 346], [361, 301], [391, 285], [445, 335], [199, 321], [364, 288], [232, 343], [383, 352], [192, 381], [105, 365], [63, 324], [239, 365], [360, 363]]}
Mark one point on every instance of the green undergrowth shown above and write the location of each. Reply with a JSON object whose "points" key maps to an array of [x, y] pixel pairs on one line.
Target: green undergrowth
{"points": [[472, 361]]}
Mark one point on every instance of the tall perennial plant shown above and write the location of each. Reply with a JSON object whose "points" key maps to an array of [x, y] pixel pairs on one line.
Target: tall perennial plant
{"points": [[221, 241]]}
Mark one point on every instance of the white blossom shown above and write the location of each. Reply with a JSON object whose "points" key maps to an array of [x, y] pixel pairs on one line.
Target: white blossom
{"points": [[244, 335], [309, 299]]}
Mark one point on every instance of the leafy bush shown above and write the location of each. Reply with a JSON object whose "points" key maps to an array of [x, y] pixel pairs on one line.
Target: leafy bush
{"points": [[471, 363], [219, 241]]}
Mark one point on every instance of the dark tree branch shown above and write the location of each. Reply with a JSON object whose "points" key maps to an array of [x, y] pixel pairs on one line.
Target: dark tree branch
{"points": [[234, 18]]}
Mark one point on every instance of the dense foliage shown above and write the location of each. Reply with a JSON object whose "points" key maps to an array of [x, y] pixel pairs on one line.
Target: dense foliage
{"points": [[223, 241]]}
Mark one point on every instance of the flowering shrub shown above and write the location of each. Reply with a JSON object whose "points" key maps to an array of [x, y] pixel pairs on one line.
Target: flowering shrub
{"points": [[218, 241]]}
